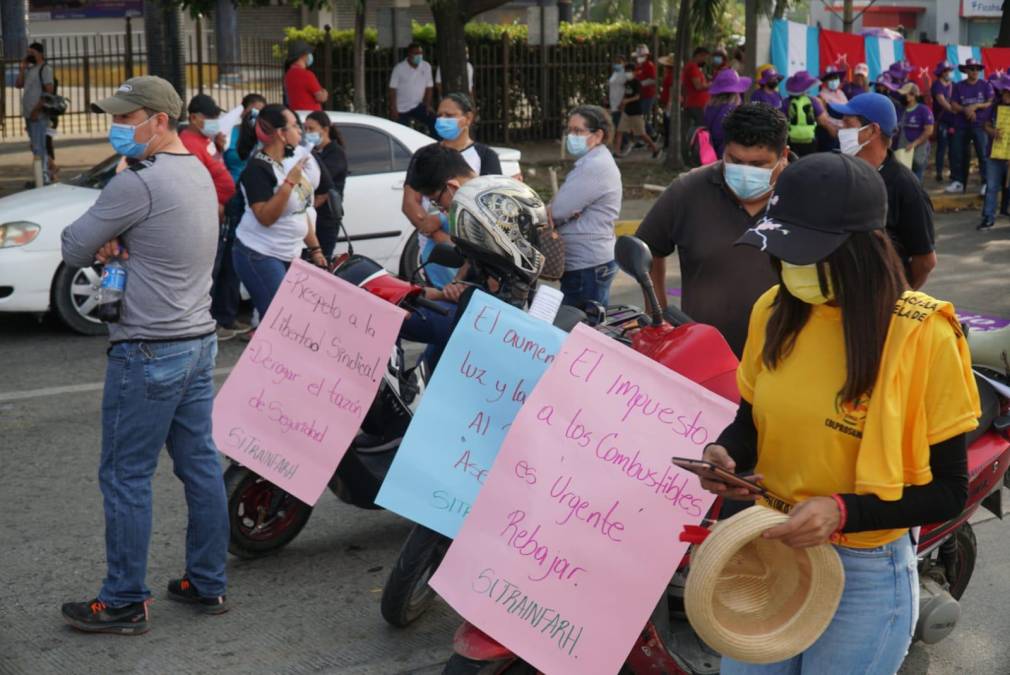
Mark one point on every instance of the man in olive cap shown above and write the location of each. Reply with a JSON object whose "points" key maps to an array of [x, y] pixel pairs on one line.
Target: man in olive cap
{"points": [[158, 218]]}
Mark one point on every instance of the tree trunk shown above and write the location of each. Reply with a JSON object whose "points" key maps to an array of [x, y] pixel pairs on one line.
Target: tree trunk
{"points": [[641, 11], [164, 44], [15, 30], [1004, 27], [360, 100], [565, 11], [226, 37], [847, 20], [780, 8], [450, 44], [681, 45]]}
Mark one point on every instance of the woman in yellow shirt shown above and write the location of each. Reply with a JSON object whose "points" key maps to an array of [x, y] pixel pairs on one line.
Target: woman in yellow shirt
{"points": [[856, 397]]}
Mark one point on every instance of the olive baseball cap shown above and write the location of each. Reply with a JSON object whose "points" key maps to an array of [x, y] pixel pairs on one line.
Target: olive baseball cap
{"points": [[146, 91]]}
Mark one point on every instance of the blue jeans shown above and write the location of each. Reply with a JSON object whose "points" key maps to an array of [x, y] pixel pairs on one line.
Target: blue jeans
{"points": [[873, 627], [960, 159], [590, 283], [37, 138], [160, 394], [431, 328], [995, 176], [944, 147], [261, 274], [420, 114]]}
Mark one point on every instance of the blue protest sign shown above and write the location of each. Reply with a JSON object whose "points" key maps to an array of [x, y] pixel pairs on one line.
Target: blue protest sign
{"points": [[494, 358]]}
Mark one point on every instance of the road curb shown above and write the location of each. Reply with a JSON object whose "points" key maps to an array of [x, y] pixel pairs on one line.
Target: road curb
{"points": [[622, 227], [944, 202]]}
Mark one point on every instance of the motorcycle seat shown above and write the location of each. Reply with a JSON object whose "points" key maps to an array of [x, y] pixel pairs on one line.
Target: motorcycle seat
{"points": [[568, 317]]}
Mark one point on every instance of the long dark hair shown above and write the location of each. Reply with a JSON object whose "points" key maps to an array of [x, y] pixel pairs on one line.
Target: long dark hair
{"points": [[867, 279], [270, 119], [323, 120]]}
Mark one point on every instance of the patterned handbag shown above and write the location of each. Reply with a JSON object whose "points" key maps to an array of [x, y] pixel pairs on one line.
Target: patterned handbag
{"points": [[552, 246]]}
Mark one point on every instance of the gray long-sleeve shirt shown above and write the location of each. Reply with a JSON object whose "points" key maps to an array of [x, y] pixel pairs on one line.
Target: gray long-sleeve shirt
{"points": [[164, 211], [585, 208]]}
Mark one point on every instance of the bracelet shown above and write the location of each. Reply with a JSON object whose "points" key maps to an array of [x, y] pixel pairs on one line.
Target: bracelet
{"points": [[288, 182], [842, 512]]}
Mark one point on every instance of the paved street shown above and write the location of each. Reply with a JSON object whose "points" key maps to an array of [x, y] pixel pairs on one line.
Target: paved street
{"points": [[313, 608]]}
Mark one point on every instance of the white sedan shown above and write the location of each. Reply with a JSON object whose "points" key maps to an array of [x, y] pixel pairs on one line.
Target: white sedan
{"points": [[33, 277]]}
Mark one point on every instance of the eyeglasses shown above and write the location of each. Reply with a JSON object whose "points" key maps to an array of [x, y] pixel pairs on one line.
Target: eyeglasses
{"points": [[437, 199], [579, 131]]}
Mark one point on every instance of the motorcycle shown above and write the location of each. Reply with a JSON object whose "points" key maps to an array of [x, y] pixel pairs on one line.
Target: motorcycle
{"points": [[263, 517], [946, 551]]}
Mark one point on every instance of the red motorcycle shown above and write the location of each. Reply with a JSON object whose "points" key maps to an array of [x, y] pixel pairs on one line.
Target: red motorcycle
{"points": [[667, 645]]}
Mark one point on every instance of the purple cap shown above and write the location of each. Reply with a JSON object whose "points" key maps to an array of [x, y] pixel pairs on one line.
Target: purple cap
{"points": [[770, 76], [886, 80], [943, 67], [970, 64], [902, 67], [728, 82], [1001, 83], [800, 82], [837, 69]]}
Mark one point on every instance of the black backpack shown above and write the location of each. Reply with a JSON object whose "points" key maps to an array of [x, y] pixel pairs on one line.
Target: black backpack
{"points": [[54, 104]]}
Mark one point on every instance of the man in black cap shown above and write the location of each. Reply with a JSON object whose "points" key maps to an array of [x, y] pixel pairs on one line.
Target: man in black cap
{"points": [[203, 138], [158, 218], [868, 125]]}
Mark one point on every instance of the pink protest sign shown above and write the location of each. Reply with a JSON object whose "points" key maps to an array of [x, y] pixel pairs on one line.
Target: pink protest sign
{"points": [[574, 537], [292, 405]]}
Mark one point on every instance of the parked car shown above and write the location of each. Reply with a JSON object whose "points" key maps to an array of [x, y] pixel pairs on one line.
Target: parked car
{"points": [[33, 277]]}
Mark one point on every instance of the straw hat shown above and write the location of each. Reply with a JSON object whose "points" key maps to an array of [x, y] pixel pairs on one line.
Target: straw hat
{"points": [[757, 600]]}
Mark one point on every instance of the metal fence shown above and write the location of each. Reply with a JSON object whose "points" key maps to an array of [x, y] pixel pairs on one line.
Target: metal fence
{"points": [[523, 92], [91, 67]]}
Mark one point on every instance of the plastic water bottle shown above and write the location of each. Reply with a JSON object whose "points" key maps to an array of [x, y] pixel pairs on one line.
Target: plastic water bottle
{"points": [[111, 290]]}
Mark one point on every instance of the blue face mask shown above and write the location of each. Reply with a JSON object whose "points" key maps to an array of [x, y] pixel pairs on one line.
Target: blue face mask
{"points": [[576, 145], [447, 128], [254, 113], [310, 60], [312, 138], [747, 182], [618, 68], [211, 128], [122, 138], [416, 59], [833, 84]]}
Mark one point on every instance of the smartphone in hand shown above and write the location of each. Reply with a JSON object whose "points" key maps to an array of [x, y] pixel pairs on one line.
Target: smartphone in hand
{"points": [[714, 472]]}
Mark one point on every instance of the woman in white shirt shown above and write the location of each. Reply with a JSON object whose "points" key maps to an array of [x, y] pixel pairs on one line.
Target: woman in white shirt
{"points": [[280, 186]]}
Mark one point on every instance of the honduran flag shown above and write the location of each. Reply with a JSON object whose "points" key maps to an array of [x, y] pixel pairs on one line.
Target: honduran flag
{"points": [[881, 53], [958, 54], [794, 48]]}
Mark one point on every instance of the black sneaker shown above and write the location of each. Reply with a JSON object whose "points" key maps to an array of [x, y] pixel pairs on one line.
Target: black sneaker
{"points": [[97, 617], [985, 225], [183, 590]]}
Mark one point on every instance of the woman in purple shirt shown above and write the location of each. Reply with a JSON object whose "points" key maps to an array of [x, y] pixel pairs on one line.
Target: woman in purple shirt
{"points": [[970, 98], [914, 128], [725, 96], [941, 91], [767, 91]]}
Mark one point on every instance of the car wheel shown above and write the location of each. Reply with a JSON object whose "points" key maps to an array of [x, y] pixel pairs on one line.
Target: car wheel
{"points": [[75, 299]]}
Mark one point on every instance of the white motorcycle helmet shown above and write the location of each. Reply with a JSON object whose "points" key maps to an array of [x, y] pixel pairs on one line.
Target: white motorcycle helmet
{"points": [[494, 221]]}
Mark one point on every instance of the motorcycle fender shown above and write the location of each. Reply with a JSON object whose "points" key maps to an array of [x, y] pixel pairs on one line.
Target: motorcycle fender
{"points": [[473, 643], [994, 503]]}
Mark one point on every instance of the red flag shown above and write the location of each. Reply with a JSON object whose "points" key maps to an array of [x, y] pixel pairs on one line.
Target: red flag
{"points": [[844, 48], [996, 59], [924, 58]]}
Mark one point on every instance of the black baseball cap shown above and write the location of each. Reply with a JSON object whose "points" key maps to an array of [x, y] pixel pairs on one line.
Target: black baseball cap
{"points": [[817, 204], [205, 105]]}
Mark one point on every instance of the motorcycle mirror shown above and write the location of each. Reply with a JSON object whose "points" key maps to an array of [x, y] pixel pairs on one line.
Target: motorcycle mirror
{"points": [[634, 258], [446, 255]]}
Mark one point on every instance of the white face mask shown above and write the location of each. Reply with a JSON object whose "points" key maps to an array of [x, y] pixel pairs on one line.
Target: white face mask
{"points": [[848, 141]]}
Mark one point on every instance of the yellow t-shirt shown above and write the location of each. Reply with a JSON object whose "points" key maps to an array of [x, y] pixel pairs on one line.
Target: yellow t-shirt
{"points": [[808, 441]]}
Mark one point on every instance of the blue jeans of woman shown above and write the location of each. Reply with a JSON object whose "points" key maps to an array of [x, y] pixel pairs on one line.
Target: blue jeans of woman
{"points": [[944, 147], [872, 628], [960, 157], [995, 176], [261, 275], [589, 283], [160, 394]]}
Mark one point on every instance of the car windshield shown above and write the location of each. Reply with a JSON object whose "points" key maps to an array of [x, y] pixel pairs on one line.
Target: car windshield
{"points": [[97, 176]]}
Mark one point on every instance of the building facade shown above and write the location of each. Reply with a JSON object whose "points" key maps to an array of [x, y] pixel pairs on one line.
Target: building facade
{"points": [[963, 22]]}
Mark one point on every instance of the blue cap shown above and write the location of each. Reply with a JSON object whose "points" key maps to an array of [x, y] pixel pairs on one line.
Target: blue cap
{"points": [[875, 107]]}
